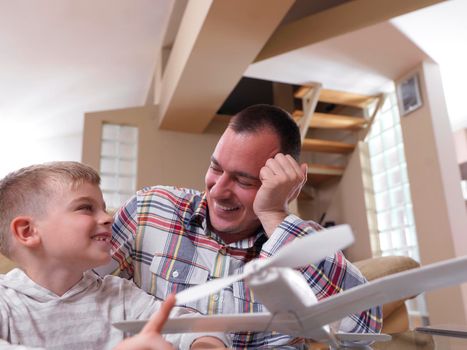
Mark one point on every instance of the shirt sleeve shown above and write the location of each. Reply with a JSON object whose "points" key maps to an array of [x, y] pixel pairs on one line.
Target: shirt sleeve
{"points": [[333, 275], [123, 236]]}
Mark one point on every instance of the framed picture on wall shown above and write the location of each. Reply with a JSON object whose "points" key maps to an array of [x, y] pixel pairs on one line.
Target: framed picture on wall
{"points": [[408, 94]]}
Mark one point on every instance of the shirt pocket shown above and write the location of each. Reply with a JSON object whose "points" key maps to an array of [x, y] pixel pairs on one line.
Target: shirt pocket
{"points": [[175, 275], [244, 299]]}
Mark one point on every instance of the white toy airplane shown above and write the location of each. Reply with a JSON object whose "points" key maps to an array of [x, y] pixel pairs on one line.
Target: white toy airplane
{"points": [[293, 308]]}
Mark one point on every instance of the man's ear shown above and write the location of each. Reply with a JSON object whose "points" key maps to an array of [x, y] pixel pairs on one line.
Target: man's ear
{"points": [[24, 231]]}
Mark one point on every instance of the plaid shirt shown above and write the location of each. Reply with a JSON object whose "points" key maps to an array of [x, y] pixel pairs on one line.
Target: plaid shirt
{"points": [[161, 240]]}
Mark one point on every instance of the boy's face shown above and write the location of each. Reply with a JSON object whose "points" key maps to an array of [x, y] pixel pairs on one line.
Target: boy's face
{"points": [[75, 230]]}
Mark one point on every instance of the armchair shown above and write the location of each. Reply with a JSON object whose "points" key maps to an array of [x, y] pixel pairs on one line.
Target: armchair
{"points": [[395, 315]]}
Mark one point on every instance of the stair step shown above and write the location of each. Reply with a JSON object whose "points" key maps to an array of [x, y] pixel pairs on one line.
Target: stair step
{"points": [[320, 173], [332, 121], [318, 145], [323, 169], [302, 91], [338, 97]]}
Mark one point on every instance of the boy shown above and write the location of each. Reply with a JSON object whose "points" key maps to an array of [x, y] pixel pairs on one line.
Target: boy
{"points": [[54, 226]]}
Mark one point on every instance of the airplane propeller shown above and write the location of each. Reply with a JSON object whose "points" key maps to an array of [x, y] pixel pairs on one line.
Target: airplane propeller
{"points": [[310, 249]]}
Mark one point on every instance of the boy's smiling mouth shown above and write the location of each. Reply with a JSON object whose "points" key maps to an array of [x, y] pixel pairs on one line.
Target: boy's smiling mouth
{"points": [[103, 237]]}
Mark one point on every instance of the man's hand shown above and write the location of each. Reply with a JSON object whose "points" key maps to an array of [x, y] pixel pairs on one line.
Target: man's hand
{"points": [[150, 338], [207, 343], [282, 179]]}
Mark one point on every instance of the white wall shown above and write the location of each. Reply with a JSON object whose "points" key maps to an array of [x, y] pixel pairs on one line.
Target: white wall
{"points": [[21, 150], [348, 206], [460, 141], [439, 209], [164, 157]]}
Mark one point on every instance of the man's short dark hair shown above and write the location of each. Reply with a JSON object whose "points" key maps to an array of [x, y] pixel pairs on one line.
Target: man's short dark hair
{"points": [[262, 116]]}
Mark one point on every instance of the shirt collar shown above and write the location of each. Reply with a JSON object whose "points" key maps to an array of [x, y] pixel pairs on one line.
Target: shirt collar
{"points": [[200, 211]]}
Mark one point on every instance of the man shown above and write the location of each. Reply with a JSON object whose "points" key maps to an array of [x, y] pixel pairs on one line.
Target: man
{"points": [[168, 239]]}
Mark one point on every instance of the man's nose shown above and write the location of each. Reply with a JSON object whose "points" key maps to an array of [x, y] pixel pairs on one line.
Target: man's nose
{"points": [[222, 186]]}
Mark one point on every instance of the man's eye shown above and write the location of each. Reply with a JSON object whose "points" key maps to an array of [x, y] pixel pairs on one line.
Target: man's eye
{"points": [[245, 184], [215, 168]]}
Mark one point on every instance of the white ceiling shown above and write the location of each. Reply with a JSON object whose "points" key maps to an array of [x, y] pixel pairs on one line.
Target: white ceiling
{"points": [[441, 31], [62, 58], [363, 61], [368, 60]]}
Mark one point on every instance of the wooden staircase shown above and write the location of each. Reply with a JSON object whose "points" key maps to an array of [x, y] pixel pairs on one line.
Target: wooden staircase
{"points": [[332, 122], [331, 125]]}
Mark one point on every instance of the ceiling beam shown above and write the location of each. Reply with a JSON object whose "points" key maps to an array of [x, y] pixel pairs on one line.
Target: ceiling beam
{"points": [[348, 17], [216, 42]]}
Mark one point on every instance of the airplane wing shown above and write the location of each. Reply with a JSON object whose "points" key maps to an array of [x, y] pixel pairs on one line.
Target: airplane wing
{"points": [[394, 287], [258, 322], [383, 290], [254, 322]]}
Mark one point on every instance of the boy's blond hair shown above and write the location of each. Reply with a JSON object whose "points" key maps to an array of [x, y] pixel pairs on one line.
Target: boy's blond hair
{"points": [[27, 191]]}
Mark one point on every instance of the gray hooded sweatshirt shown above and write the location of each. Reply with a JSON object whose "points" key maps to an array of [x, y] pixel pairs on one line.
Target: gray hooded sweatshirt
{"points": [[32, 317]]}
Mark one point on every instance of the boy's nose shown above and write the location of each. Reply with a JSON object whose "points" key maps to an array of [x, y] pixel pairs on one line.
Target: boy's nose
{"points": [[106, 218]]}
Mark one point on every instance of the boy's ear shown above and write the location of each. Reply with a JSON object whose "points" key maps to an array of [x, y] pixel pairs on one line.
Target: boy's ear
{"points": [[24, 232]]}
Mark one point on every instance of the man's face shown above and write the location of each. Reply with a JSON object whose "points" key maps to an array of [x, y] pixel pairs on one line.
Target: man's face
{"points": [[232, 181]]}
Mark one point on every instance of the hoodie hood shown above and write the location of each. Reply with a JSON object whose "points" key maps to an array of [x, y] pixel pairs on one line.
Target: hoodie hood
{"points": [[18, 281]]}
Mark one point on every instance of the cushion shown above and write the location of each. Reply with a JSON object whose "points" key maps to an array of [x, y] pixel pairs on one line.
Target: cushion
{"points": [[385, 265]]}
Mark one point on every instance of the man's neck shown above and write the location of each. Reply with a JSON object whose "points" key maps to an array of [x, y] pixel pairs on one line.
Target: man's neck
{"points": [[229, 238]]}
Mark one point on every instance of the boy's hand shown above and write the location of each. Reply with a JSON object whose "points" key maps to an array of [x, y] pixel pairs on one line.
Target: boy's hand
{"points": [[150, 338]]}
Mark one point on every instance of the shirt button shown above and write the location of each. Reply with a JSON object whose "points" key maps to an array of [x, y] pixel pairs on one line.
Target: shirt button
{"points": [[223, 250], [175, 274], [215, 297]]}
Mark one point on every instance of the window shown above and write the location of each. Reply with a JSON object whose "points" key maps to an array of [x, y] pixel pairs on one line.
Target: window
{"points": [[390, 214], [118, 163]]}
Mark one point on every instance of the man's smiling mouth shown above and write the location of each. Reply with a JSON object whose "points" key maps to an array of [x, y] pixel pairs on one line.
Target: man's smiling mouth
{"points": [[225, 208]]}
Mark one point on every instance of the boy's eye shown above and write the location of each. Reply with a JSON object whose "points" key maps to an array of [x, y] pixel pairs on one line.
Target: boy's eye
{"points": [[85, 207]]}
